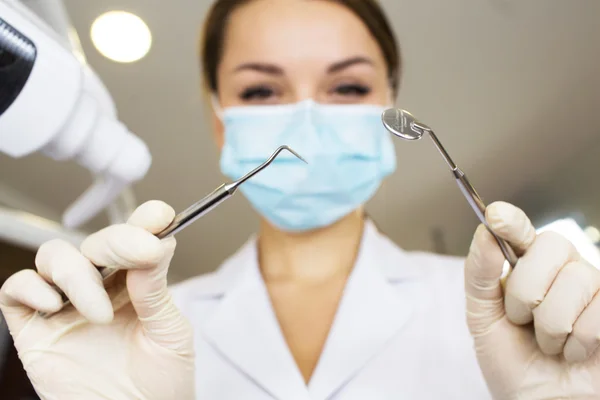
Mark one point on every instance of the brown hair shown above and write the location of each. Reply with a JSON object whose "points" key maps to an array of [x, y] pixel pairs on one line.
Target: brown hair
{"points": [[369, 12]]}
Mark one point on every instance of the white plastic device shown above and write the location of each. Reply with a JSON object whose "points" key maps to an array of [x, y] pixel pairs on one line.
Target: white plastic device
{"points": [[52, 102]]}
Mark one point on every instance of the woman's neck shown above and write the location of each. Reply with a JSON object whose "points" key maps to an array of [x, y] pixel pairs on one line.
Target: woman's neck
{"points": [[311, 257]]}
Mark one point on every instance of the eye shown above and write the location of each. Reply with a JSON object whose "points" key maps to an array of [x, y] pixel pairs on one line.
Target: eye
{"points": [[257, 93], [352, 90]]}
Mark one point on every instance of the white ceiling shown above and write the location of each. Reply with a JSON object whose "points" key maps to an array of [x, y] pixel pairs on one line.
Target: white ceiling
{"points": [[511, 87]]}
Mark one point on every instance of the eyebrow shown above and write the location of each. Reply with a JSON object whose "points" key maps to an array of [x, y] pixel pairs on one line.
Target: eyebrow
{"points": [[272, 69], [341, 65]]}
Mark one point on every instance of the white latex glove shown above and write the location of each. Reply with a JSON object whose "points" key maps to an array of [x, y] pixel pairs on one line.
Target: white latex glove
{"points": [[142, 350], [538, 340]]}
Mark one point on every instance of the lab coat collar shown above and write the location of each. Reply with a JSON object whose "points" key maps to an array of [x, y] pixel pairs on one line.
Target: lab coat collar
{"points": [[245, 330], [373, 309], [237, 267]]}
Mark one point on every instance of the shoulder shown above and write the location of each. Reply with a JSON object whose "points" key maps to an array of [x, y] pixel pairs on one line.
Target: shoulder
{"points": [[438, 267], [209, 288], [188, 290], [444, 275], [437, 273]]}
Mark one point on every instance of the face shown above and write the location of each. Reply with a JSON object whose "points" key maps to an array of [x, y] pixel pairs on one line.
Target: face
{"points": [[285, 51]]}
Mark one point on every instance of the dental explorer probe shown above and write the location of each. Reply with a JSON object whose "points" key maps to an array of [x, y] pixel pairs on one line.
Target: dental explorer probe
{"points": [[192, 213], [401, 123]]}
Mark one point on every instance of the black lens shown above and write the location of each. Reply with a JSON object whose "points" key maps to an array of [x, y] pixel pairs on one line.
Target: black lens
{"points": [[17, 56], [6, 58]]}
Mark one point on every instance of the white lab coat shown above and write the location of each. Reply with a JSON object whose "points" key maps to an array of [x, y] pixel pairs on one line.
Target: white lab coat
{"points": [[400, 332]]}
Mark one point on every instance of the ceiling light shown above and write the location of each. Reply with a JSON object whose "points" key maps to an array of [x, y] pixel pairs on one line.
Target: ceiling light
{"points": [[121, 36]]}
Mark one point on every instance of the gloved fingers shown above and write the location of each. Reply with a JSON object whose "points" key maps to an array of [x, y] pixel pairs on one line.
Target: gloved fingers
{"points": [[534, 274], [134, 244], [147, 288], [511, 224], [161, 320], [22, 294], [123, 246], [60, 263], [483, 268], [584, 341], [570, 293], [154, 216]]}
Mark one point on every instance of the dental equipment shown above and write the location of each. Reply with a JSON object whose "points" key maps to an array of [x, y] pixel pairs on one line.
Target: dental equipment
{"points": [[194, 212], [53, 103], [402, 124]]}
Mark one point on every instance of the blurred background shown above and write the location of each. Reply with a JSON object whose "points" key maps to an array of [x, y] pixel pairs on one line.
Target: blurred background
{"points": [[512, 89]]}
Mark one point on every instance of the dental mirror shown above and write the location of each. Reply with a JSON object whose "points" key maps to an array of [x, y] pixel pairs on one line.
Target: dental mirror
{"points": [[402, 124]]}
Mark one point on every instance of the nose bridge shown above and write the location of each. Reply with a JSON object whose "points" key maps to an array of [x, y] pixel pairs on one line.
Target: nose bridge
{"points": [[307, 126], [305, 91], [306, 115]]}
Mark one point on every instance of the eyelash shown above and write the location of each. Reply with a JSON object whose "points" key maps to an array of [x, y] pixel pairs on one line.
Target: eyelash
{"points": [[352, 90], [264, 92], [257, 93]]}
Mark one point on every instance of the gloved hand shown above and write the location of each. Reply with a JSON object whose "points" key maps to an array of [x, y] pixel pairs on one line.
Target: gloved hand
{"points": [[141, 350], [537, 339]]}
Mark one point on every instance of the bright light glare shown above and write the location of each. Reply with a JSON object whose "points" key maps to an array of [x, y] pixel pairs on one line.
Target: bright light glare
{"points": [[573, 232], [593, 233], [121, 36]]}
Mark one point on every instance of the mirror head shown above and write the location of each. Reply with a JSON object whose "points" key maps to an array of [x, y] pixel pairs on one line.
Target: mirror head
{"points": [[402, 124]]}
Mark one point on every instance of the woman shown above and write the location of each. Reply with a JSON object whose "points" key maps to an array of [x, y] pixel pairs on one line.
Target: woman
{"points": [[319, 305]]}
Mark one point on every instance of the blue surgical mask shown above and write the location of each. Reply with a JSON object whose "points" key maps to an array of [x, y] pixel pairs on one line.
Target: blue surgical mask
{"points": [[348, 152]]}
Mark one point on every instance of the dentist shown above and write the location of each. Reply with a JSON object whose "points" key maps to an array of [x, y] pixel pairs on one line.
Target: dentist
{"points": [[318, 304]]}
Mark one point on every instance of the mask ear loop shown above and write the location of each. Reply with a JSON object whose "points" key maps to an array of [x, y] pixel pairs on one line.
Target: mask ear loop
{"points": [[214, 101]]}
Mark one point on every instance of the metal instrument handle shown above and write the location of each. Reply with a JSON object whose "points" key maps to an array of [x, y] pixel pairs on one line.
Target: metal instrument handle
{"points": [[479, 207], [181, 220]]}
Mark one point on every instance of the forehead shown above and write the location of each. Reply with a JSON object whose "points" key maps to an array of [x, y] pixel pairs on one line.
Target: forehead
{"points": [[282, 31]]}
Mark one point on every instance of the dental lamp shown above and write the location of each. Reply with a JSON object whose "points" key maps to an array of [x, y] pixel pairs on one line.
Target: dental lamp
{"points": [[53, 103]]}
